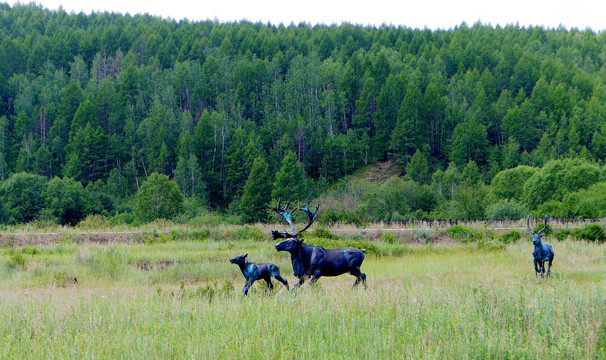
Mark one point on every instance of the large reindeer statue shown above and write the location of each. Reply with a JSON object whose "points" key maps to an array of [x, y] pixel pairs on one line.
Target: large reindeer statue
{"points": [[312, 260], [543, 252]]}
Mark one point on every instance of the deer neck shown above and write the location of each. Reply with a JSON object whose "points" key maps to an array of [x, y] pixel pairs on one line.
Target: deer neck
{"points": [[245, 267]]}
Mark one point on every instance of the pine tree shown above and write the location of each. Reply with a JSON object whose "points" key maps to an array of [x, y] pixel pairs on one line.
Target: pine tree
{"points": [[290, 179], [255, 200], [418, 168]]}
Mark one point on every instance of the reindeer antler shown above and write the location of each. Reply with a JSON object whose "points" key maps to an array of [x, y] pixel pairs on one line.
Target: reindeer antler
{"points": [[532, 232], [528, 224], [287, 215], [545, 227]]}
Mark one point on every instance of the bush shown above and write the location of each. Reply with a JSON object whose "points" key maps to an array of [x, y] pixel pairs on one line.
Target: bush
{"points": [[323, 232], [92, 222], [563, 234], [592, 233], [506, 210], [510, 237], [122, 219], [425, 236], [388, 237]]}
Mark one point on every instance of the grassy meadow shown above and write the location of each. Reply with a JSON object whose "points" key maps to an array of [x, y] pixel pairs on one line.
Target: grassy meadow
{"points": [[181, 298]]}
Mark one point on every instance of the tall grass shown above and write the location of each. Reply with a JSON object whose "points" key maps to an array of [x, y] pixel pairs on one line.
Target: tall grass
{"points": [[431, 302]]}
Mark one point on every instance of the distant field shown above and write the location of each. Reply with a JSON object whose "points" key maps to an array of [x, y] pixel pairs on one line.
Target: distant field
{"points": [[182, 299]]}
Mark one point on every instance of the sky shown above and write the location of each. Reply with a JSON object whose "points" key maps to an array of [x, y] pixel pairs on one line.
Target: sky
{"points": [[432, 14]]}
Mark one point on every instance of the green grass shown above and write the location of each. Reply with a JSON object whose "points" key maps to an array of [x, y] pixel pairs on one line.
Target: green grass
{"points": [[430, 301]]}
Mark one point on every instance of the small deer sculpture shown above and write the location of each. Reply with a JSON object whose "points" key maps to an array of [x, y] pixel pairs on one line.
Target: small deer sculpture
{"points": [[542, 253], [253, 272]]}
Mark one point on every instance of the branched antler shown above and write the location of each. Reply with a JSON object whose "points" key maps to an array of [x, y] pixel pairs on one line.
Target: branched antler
{"points": [[528, 224], [532, 232], [288, 216]]}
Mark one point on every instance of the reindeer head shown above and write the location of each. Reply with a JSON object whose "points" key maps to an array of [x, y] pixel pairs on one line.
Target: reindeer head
{"points": [[287, 215], [240, 259], [289, 245], [536, 236]]}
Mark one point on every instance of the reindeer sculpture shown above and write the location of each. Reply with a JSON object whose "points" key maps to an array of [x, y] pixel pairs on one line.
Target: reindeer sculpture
{"points": [[542, 253], [253, 272], [312, 260]]}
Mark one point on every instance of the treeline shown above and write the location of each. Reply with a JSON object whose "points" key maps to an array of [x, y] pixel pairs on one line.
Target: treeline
{"points": [[106, 100]]}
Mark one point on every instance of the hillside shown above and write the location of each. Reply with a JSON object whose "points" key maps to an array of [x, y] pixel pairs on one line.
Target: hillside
{"points": [[101, 102]]}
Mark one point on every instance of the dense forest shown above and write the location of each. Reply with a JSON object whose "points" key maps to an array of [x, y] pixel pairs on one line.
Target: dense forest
{"points": [[479, 121]]}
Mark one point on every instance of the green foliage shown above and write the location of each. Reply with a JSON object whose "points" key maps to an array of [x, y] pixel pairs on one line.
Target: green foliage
{"points": [[509, 183], [159, 198], [591, 233], [559, 178], [506, 210], [67, 201], [464, 233], [323, 232], [290, 180], [254, 204], [418, 168], [388, 237], [22, 196], [93, 222], [115, 98], [510, 237], [563, 234]]}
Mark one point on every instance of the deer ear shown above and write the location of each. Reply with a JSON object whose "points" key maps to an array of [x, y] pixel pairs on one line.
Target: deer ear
{"points": [[245, 255], [300, 241]]}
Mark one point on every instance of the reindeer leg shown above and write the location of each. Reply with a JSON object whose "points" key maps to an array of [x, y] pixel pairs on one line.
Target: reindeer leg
{"points": [[358, 274], [299, 282], [283, 281], [536, 267], [315, 277], [269, 284], [247, 286]]}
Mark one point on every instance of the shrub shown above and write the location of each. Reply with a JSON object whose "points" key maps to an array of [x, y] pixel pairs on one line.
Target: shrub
{"points": [[506, 210], [425, 236], [323, 232], [563, 234], [510, 237], [17, 261], [122, 219], [388, 237], [592, 233], [92, 222], [30, 250]]}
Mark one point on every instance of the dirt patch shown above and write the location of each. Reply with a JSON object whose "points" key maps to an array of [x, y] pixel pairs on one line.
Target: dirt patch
{"points": [[382, 171]]}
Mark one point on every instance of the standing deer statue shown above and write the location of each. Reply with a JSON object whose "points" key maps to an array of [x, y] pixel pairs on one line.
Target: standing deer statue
{"points": [[313, 260], [542, 253]]}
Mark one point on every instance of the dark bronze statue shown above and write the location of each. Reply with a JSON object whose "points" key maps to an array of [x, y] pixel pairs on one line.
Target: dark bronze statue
{"points": [[253, 272], [312, 260], [542, 253]]}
